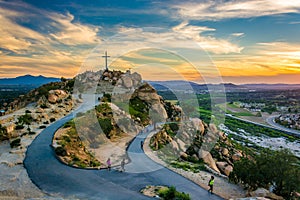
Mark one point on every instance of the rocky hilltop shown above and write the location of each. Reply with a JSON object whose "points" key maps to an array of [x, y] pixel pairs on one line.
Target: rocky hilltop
{"points": [[126, 105]]}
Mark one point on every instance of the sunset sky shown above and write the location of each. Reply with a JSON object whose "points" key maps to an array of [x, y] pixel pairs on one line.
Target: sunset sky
{"points": [[253, 41]]}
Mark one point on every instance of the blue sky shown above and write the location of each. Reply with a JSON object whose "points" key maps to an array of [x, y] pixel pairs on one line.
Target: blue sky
{"points": [[247, 41]]}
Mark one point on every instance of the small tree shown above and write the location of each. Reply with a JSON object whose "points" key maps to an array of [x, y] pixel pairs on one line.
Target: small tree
{"points": [[3, 133], [25, 119]]}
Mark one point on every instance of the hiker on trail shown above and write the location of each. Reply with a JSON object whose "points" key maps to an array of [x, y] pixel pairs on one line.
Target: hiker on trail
{"points": [[108, 164], [123, 165], [211, 184]]}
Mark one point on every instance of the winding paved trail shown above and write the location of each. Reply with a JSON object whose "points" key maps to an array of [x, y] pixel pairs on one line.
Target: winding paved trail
{"points": [[56, 178]]}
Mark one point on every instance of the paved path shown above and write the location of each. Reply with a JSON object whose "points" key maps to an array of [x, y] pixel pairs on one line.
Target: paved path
{"points": [[56, 178]]}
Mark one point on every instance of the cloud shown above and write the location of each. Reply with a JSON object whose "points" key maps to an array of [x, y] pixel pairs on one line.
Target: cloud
{"points": [[218, 10], [51, 28], [281, 50], [237, 34], [295, 22], [273, 60], [54, 44], [208, 43], [15, 37], [72, 33]]}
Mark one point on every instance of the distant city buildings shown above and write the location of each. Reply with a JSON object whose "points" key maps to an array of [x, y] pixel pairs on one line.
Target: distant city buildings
{"points": [[253, 107]]}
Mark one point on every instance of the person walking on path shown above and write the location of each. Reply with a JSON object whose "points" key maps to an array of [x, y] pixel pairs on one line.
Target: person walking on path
{"points": [[123, 165], [108, 163], [211, 184]]}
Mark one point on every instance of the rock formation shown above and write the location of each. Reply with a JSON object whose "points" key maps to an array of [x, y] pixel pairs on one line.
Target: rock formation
{"points": [[196, 139]]}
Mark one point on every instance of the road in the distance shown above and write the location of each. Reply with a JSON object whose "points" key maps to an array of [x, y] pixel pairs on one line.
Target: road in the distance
{"points": [[271, 120], [56, 178], [273, 125]]}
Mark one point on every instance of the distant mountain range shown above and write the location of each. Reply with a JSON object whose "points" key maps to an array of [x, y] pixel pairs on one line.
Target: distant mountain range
{"points": [[158, 85], [229, 87], [28, 80]]}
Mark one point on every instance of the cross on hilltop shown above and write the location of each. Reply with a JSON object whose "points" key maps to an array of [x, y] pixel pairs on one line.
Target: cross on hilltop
{"points": [[106, 56]]}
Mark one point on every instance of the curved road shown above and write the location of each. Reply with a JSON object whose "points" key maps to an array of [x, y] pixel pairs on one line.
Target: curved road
{"points": [[273, 125], [271, 120], [56, 178]]}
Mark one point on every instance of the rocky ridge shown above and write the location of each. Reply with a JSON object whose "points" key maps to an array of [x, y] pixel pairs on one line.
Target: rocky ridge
{"points": [[197, 141]]}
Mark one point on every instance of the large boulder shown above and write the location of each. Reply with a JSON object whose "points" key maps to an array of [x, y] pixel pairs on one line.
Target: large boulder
{"points": [[136, 78], [127, 82], [213, 128], [55, 96], [198, 124], [61, 94], [159, 108], [52, 98], [237, 156], [181, 144], [225, 152], [208, 159], [222, 135], [260, 192], [174, 145], [225, 168], [152, 97], [183, 155]]}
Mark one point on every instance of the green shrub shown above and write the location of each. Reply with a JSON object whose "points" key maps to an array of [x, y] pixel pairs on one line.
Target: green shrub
{"points": [[19, 127], [52, 119], [139, 109], [43, 106], [106, 126], [174, 127], [60, 151], [106, 97], [3, 133], [171, 194], [15, 143], [69, 124], [66, 138], [31, 132]]}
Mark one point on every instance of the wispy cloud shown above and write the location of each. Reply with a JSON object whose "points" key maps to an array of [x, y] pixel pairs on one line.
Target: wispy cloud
{"points": [[237, 34], [208, 43], [295, 22], [218, 10], [72, 33]]}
